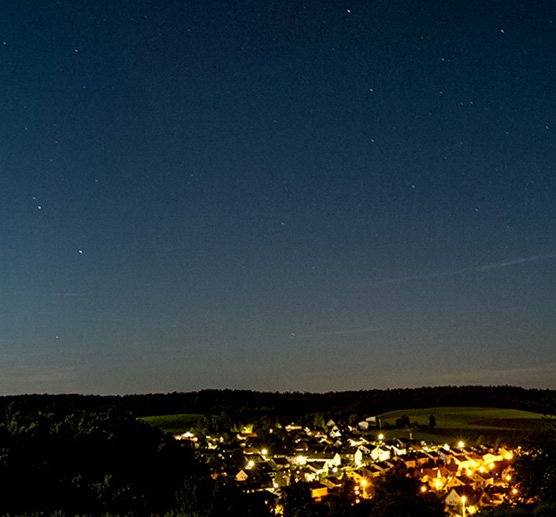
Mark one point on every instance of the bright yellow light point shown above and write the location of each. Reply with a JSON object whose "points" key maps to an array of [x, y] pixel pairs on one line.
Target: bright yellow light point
{"points": [[264, 452], [423, 489], [461, 445], [251, 464], [363, 482], [381, 437], [514, 491], [463, 499]]}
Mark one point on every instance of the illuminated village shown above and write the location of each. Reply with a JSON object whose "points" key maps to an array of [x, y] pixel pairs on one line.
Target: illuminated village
{"points": [[354, 458]]}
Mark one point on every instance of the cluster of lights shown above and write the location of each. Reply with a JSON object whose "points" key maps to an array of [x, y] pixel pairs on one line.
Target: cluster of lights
{"points": [[363, 483]]}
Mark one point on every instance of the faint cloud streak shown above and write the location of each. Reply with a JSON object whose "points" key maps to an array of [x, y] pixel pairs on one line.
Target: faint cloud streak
{"points": [[477, 269], [339, 332]]}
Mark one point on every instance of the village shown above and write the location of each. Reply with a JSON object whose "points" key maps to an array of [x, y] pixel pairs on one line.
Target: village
{"points": [[339, 458]]}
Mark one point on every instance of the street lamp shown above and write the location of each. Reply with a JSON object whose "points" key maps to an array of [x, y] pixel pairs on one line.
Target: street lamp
{"points": [[463, 499]]}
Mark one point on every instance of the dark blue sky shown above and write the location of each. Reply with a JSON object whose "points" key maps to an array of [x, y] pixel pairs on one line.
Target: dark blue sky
{"points": [[305, 195]]}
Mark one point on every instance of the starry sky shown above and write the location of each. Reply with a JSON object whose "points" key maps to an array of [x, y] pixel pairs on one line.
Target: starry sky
{"points": [[314, 195]]}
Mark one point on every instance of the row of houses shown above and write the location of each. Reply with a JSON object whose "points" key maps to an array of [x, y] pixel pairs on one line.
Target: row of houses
{"points": [[325, 460]]}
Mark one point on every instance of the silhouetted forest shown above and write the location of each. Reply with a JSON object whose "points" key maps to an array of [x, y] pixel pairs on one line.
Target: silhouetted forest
{"points": [[58, 460], [242, 403]]}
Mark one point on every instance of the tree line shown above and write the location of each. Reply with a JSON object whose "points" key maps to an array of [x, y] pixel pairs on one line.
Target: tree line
{"points": [[242, 403]]}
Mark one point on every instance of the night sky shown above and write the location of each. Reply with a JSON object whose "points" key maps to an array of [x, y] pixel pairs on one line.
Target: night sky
{"points": [[276, 195]]}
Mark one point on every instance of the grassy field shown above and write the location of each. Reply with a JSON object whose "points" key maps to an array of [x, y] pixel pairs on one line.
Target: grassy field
{"points": [[473, 425], [175, 424]]}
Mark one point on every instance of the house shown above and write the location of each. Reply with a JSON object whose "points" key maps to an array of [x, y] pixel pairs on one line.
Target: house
{"points": [[410, 460], [332, 482], [482, 479], [360, 475], [460, 496], [463, 462], [380, 453], [330, 459], [279, 463], [316, 468], [242, 475], [435, 457], [453, 482], [246, 436], [335, 432], [363, 425], [374, 472], [359, 456], [383, 466], [293, 427], [318, 490], [421, 459]]}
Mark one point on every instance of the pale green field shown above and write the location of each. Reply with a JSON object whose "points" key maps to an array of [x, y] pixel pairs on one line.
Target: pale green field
{"points": [[472, 425], [174, 424], [470, 418]]}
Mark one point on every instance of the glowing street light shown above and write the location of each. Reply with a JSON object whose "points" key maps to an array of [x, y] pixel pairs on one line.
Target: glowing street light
{"points": [[463, 499]]}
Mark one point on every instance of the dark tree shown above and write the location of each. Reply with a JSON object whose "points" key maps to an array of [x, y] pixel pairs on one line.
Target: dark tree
{"points": [[298, 502], [87, 462], [200, 496], [397, 495], [523, 510], [402, 422], [535, 469]]}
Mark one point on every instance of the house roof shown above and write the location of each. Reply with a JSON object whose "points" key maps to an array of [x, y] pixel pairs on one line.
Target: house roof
{"points": [[334, 480]]}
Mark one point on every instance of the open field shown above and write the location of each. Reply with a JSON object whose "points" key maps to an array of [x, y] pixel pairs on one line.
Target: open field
{"points": [[470, 418], [471, 424], [174, 424]]}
